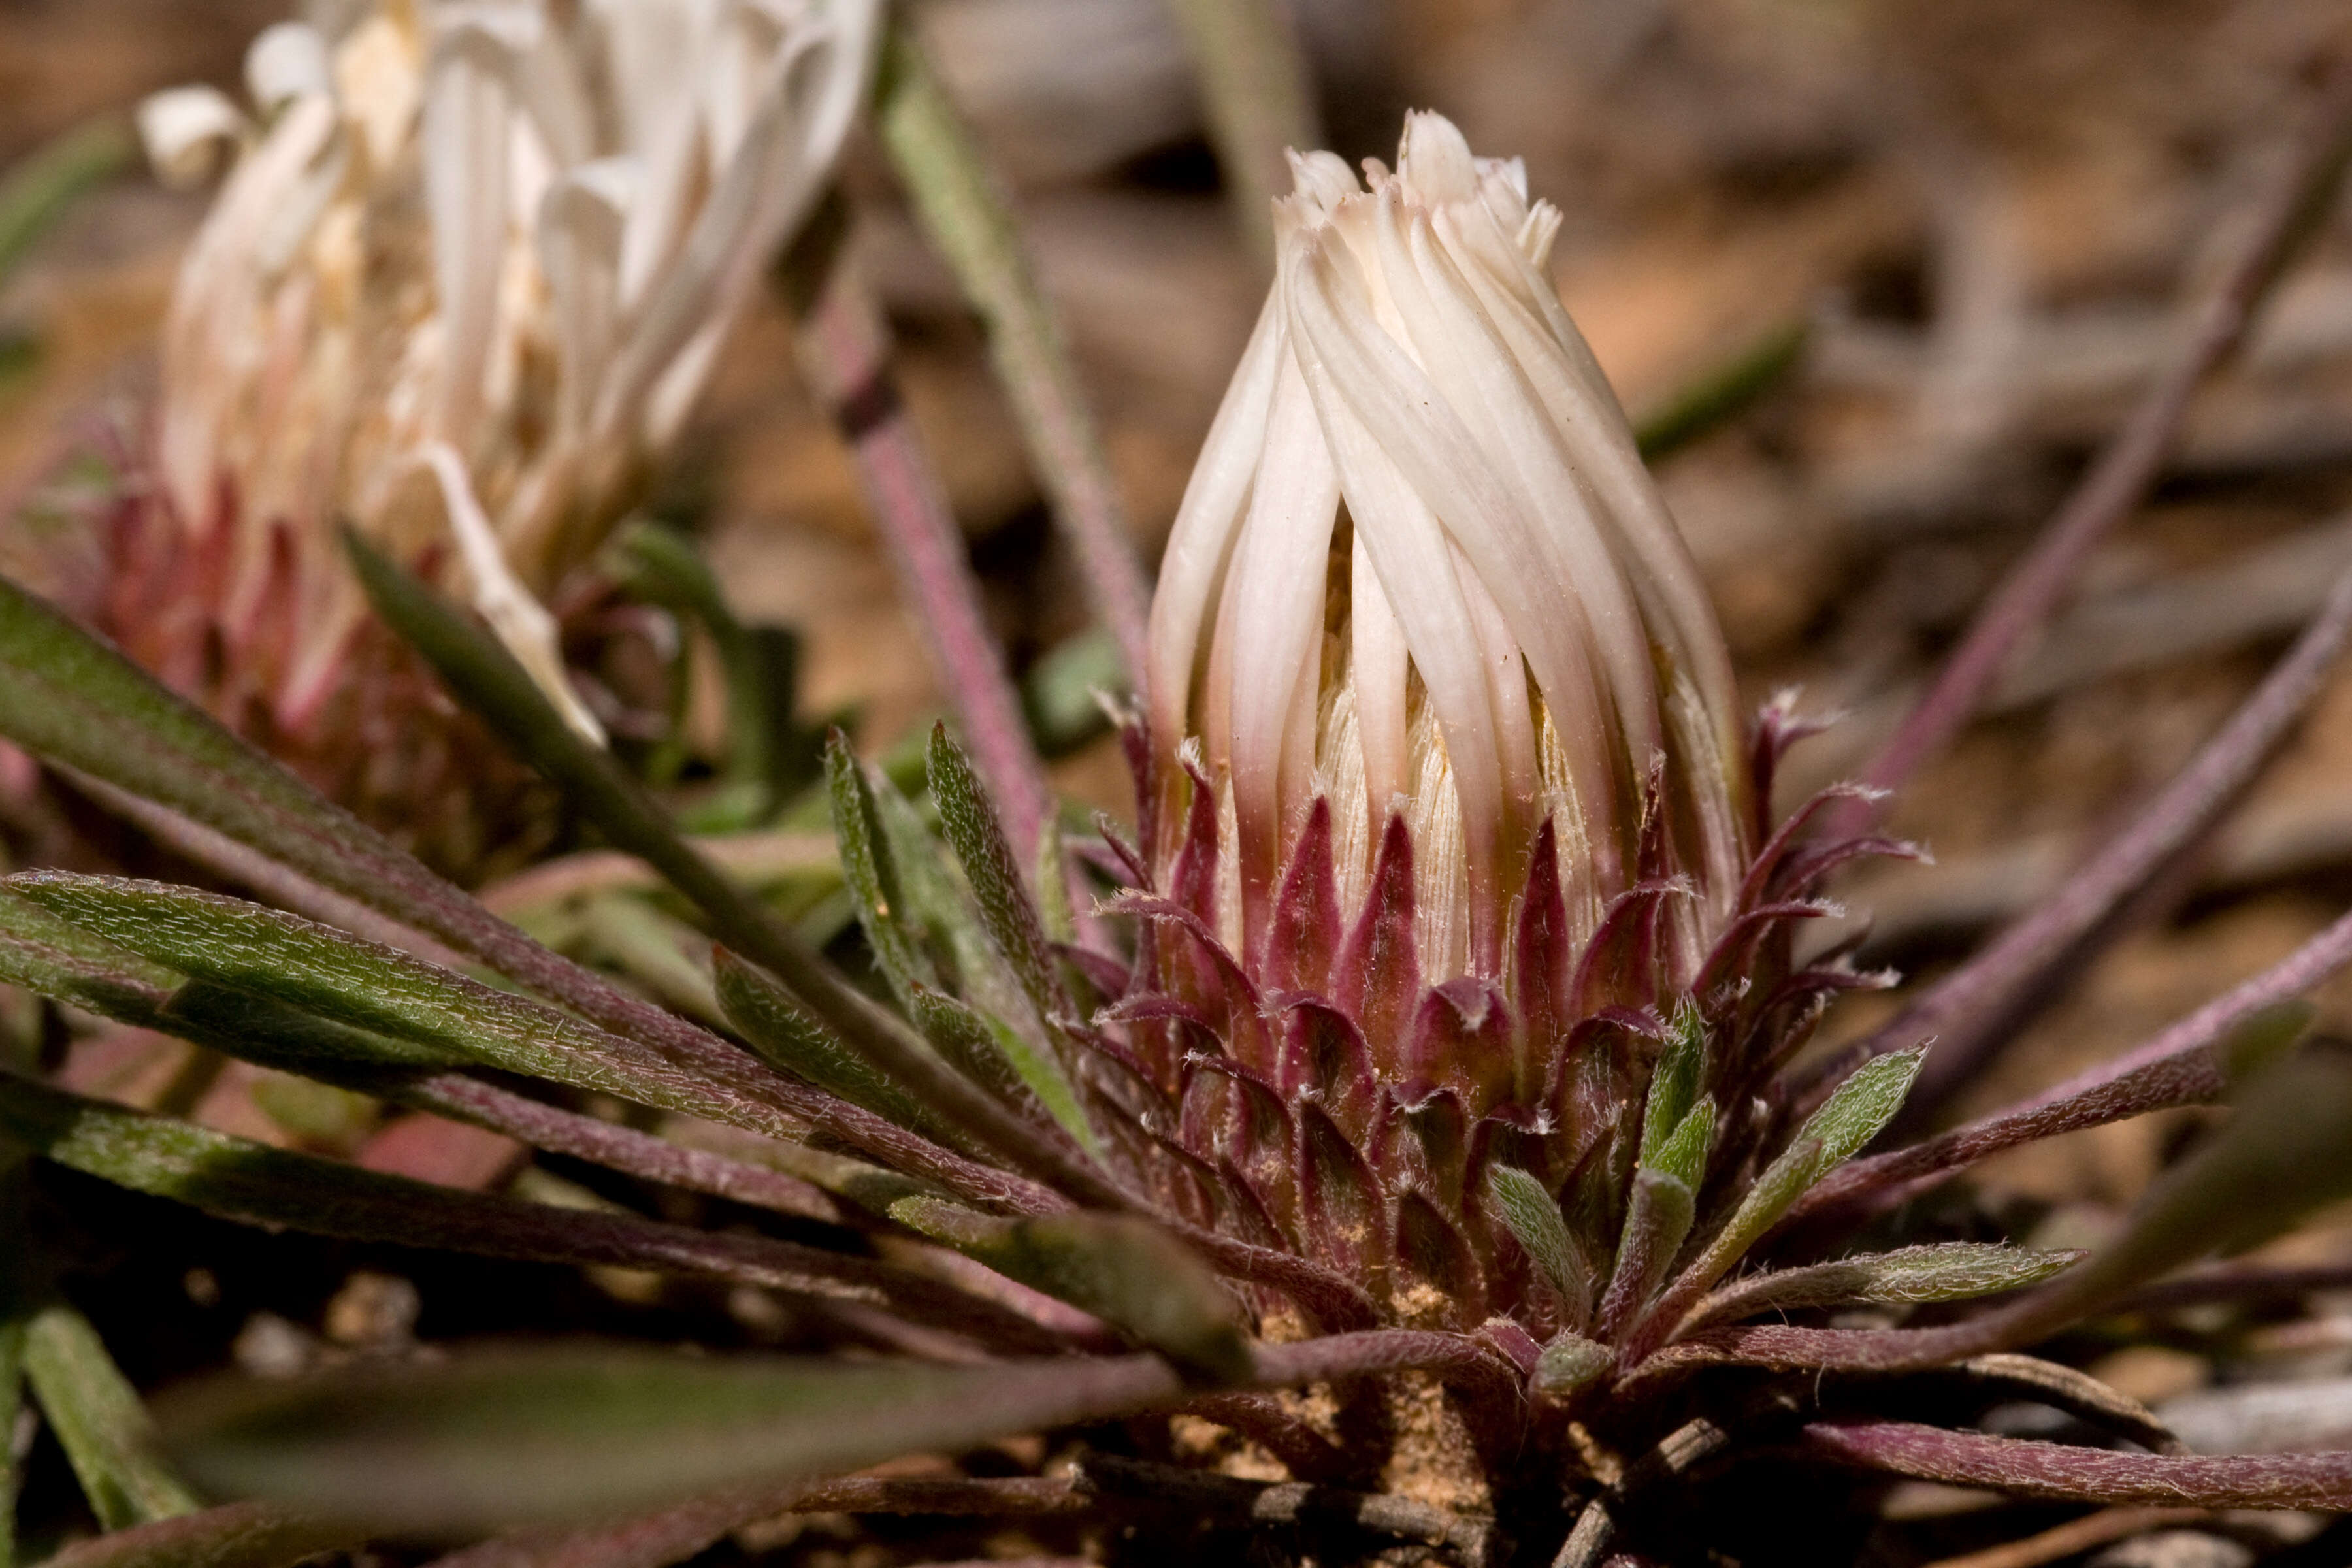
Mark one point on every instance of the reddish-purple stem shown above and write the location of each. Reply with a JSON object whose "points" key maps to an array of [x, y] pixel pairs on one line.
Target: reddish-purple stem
{"points": [[2084, 1475], [2115, 483], [1968, 1013], [845, 346]]}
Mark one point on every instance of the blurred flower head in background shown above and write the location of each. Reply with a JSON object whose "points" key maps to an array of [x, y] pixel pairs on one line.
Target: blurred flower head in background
{"points": [[469, 267], [1421, 573]]}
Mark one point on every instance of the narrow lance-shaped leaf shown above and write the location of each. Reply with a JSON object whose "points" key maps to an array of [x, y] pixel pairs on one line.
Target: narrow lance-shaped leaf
{"points": [[783, 1034], [348, 980], [519, 1437], [1534, 1220], [1673, 1082], [970, 820], [1934, 1271], [1126, 1271], [868, 870], [2077, 1474], [984, 980], [1683, 1155], [99, 1422], [1851, 1117], [257, 1184], [1656, 1221], [985, 1049]]}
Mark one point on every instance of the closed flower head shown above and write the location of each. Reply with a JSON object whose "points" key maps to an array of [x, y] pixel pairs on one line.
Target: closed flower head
{"points": [[1423, 605]]}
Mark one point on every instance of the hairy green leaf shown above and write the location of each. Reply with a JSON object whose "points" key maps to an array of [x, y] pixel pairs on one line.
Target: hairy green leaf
{"points": [[783, 1034], [517, 1436], [986, 1048], [1683, 1155], [867, 867], [99, 1423], [1934, 1271], [257, 1184], [1125, 1270], [974, 830], [1534, 1220], [1784, 1180], [1674, 1081], [1862, 1107], [370, 1002], [1656, 1221]]}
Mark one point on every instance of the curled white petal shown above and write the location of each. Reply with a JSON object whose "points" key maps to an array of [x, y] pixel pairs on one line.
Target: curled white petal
{"points": [[284, 62], [187, 130], [520, 621]]}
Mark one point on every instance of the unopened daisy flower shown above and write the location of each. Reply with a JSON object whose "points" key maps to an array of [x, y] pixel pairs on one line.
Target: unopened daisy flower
{"points": [[1423, 605], [468, 269]]}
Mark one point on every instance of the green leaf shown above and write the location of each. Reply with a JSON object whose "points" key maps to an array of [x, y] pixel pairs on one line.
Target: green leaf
{"points": [[238, 1535], [969, 821], [986, 1048], [515, 1437], [1534, 1220], [445, 1019], [42, 187], [1784, 1180], [46, 953], [1934, 1271], [257, 1184], [99, 1423], [1683, 1155], [1656, 1221], [1722, 393], [1569, 1363], [1674, 1081], [1860, 1108], [867, 867], [937, 901], [781, 1033], [1125, 1270], [67, 696]]}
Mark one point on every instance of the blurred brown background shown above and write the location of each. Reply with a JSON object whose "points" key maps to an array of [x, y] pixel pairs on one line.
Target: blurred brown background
{"points": [[1984, 215]]}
